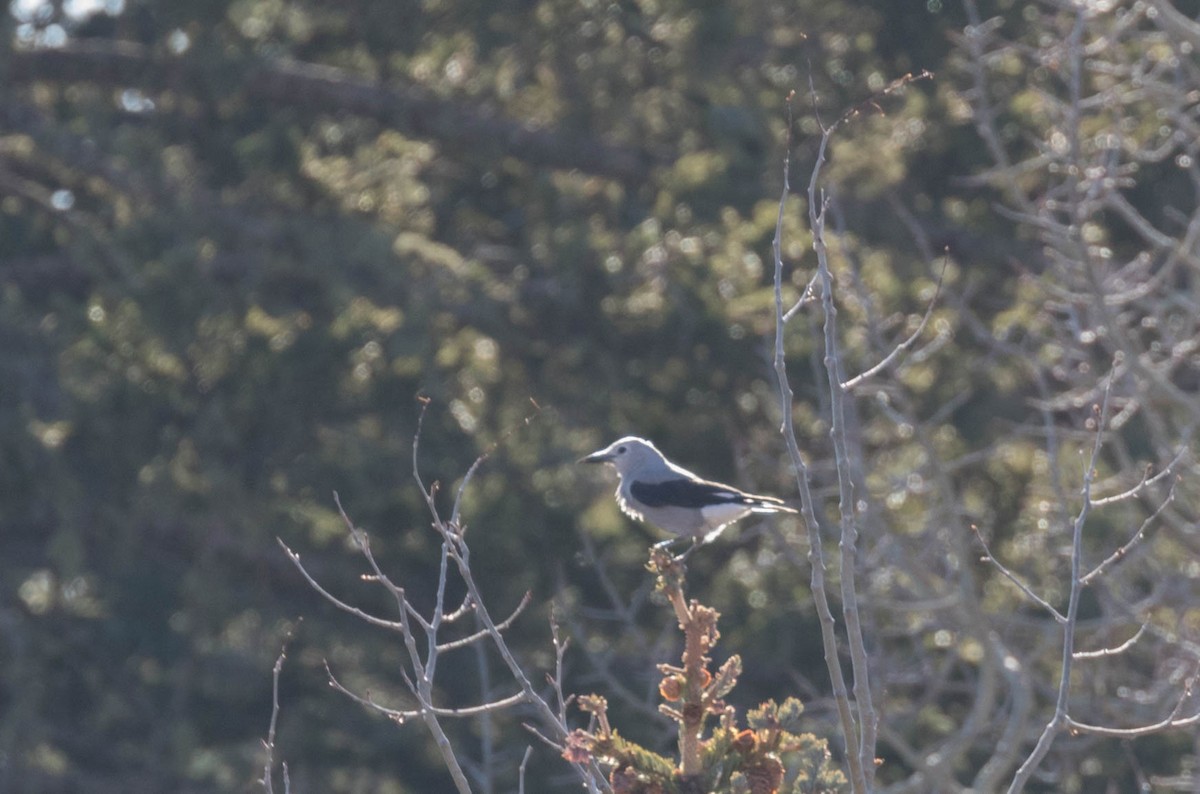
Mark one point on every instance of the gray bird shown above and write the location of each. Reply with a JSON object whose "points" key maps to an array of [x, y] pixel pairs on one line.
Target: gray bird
{"points": [[674, 499]]}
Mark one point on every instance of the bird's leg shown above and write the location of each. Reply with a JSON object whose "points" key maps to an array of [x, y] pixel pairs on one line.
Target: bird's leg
{"points": [[665, 545], [682, 558]]}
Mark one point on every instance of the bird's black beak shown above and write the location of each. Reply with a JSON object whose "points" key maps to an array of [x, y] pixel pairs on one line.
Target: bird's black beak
{"points": [[603, 456]]}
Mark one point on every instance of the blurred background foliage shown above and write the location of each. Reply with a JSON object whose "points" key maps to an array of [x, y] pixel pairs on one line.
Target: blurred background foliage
{"points": [[239, 237]]}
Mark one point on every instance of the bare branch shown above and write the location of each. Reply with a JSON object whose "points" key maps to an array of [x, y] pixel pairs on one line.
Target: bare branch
{"points": [[1124, 550], [363, 542], [809, 295], [1145, 482], [1059, 720], [1114, 651], [269, 743], [816, 553], [546, 740], [857, 380], [1012, 577], [400, 716], [521, 769], [1170, 722], [390, 625], [479, 635], [419, 675], [867, 718], [403, 715]]}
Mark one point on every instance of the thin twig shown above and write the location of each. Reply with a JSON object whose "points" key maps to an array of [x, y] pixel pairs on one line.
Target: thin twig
{"points": [[1114, 651], [1012, 577], [1172, 720], [404, 715], [521, 769], [849, 385], [482, 633], [362, 542], [1144, 483], [1137, 538], [546, 740], [809, 295], [269, 742], [390, 625]]}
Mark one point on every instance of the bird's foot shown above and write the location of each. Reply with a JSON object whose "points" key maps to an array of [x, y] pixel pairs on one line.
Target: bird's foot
{"points": [[665, 545]]}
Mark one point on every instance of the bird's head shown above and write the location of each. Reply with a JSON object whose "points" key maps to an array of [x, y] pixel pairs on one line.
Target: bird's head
{"points": [[625, 454]]}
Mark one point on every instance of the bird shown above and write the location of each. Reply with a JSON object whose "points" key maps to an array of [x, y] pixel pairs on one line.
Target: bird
{"points": [[655, 490]]}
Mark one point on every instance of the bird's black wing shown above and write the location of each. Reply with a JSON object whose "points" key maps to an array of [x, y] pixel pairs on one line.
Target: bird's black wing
{"points": [[695, 494]]}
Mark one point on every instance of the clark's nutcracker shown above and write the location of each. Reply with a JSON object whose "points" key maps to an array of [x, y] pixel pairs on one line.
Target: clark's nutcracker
{"points": [[654, 489]]}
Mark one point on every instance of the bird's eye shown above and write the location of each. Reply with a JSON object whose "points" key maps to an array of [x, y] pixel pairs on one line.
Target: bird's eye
{"points": [[620, 450]]}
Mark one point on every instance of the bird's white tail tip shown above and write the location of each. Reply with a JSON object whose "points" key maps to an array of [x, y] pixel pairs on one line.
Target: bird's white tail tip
{"points": [[768, 507]]}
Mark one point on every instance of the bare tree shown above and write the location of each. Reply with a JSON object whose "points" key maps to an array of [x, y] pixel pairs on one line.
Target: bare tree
{"points": [[1103, 175], [425, 641], [1100, 541], [1102, 327]]}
